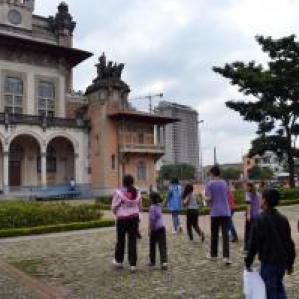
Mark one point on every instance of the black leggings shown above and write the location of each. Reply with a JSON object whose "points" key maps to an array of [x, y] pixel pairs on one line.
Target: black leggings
{"points": [[192, 223]]}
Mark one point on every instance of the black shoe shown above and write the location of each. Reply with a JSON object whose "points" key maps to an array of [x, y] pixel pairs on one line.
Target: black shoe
{"points": [[139, 237], [234, 240], [202, 237]]}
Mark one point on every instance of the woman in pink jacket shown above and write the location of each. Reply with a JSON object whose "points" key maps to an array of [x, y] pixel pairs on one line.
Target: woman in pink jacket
{"points": [[126, 206]]}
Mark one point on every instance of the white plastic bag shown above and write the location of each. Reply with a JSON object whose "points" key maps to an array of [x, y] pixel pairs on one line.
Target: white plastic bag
{"points": [[254, 286]]}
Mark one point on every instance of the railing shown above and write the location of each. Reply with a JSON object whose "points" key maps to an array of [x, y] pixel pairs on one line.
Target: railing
{"points": [[152, 148], [43, 121], [60, 191]]}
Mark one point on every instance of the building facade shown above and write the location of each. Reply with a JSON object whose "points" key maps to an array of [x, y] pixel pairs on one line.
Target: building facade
{"points": [[50, 134], [182, 138], [267, 160]]}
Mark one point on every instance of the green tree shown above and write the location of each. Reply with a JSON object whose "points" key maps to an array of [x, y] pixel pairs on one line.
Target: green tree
{"points": [[275, 88], [258, 173], [180, 171], [231, 173]]}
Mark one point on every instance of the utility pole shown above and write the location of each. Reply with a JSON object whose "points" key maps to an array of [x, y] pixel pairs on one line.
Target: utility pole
{"points": [[215, 156]]}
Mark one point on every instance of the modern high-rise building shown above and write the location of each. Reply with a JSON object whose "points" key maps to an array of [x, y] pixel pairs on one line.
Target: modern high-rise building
{"points": [[182, 138]]}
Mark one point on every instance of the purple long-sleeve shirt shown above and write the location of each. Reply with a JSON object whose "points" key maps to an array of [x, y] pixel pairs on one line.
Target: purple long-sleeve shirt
{"points": [[156, 220]]}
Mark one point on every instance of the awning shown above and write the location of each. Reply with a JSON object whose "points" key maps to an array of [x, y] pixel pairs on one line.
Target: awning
{"points": [[72, 55], [148, 118]]}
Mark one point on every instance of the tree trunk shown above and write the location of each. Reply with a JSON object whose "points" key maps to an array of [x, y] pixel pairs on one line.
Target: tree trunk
{"points": [[291, 164]]}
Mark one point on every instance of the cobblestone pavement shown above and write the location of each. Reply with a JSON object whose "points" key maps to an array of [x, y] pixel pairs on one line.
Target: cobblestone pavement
{"points": [[78, 265]]}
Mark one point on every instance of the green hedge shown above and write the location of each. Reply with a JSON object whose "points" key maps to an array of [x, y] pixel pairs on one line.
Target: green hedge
{"points": [[55, 228], [21, 214]]}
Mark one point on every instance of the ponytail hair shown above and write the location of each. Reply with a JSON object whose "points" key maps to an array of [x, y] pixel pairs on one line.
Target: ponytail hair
{"points": [[128, 182], [188, 190]]}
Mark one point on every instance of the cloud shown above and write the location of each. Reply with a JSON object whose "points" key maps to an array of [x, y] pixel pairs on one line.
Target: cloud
{"points": [[171, 46]]}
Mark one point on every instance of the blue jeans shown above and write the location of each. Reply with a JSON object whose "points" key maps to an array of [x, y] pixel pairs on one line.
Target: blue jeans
{"points": [[273, 278], [176, 220]]}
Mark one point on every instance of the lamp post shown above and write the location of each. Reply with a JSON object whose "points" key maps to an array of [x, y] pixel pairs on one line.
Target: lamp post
{"points": [[200, 150]]}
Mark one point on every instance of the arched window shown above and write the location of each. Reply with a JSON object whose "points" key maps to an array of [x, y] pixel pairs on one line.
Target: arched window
{"points": [[141, 171], [113, 162], [13, 95], [46, 98]]}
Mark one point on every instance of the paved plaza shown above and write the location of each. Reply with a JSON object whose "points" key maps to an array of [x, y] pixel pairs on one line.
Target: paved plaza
{"points": [[78, 265]]}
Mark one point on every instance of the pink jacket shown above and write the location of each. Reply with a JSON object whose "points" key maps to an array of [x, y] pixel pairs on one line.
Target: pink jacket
{"points": [[124, 207]]}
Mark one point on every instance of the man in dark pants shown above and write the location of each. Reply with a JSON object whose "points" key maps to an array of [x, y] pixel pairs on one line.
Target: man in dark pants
{"points": [[271, 239], [217, 196]]}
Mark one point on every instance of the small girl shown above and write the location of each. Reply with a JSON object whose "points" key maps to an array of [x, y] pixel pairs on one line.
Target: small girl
{"points": [[192, 204], [253, 207], [157, 231]]}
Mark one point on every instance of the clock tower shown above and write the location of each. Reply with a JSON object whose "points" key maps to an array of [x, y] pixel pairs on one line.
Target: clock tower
{"points": [[17, 13]]}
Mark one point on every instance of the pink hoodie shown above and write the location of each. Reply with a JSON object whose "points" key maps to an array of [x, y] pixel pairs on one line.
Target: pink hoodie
{"points": [[123, 207]]}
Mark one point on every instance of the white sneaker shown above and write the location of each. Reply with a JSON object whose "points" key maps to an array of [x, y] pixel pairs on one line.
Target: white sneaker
{"points": [[227, 261], [133, 269], [117, 265], [164, 266]]}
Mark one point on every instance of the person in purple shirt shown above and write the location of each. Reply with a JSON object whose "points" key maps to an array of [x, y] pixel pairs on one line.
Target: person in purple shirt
{"points": [[253, 202], [157, 231], [216, 194]]}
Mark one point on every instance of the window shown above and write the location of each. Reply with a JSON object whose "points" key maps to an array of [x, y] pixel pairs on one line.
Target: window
{"points": [[141, 138], [113, 162], [141, 171], [46, 98], [13, 95]]}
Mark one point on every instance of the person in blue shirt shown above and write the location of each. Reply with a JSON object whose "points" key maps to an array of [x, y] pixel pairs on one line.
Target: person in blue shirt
{"points": [[174, 204]]}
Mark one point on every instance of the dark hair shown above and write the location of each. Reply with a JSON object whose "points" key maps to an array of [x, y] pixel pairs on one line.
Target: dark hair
{"points": [[215, 171], [251, 187], [272, 197], [188, 189], [155, 198], [128, 182], [175, 181]]}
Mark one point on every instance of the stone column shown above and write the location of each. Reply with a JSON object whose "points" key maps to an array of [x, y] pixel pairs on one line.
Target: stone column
{"points": [[6, 172], [77, 165], [44, 169]]}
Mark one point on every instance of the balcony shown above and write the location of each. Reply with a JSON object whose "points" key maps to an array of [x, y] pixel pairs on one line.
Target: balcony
{"points": [[42, 121], [140, 143], [143, 148]]}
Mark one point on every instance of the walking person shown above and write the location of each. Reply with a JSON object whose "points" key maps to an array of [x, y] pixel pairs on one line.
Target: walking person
{"points": [[174, 204], [192, 204], [217, 197], [252, 199], [126, 206], [157, 231], [232, 205], [271, 240]]}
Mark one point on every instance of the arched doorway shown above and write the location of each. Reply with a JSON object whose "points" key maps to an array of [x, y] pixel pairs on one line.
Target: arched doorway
{"points": [[60, 161], [24, 151]]}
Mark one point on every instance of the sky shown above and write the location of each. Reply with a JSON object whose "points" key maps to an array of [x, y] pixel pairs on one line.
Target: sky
{"points": [[170, 46]]}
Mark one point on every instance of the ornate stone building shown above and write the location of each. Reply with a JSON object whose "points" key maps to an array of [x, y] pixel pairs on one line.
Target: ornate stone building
{"points": [[50, 134]]}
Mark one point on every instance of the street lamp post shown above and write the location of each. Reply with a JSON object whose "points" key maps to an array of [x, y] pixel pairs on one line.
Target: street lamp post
{"points": [[200, 150]]}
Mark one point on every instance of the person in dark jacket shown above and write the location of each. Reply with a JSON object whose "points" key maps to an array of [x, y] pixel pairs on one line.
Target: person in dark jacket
{"points": [[271, 239]]}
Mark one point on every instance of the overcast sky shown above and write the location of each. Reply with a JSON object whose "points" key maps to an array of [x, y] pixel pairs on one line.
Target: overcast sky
{"points": [[171, 46]]}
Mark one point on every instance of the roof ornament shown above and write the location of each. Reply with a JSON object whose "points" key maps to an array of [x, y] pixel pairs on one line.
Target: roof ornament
{"points": [[109, 70]]}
